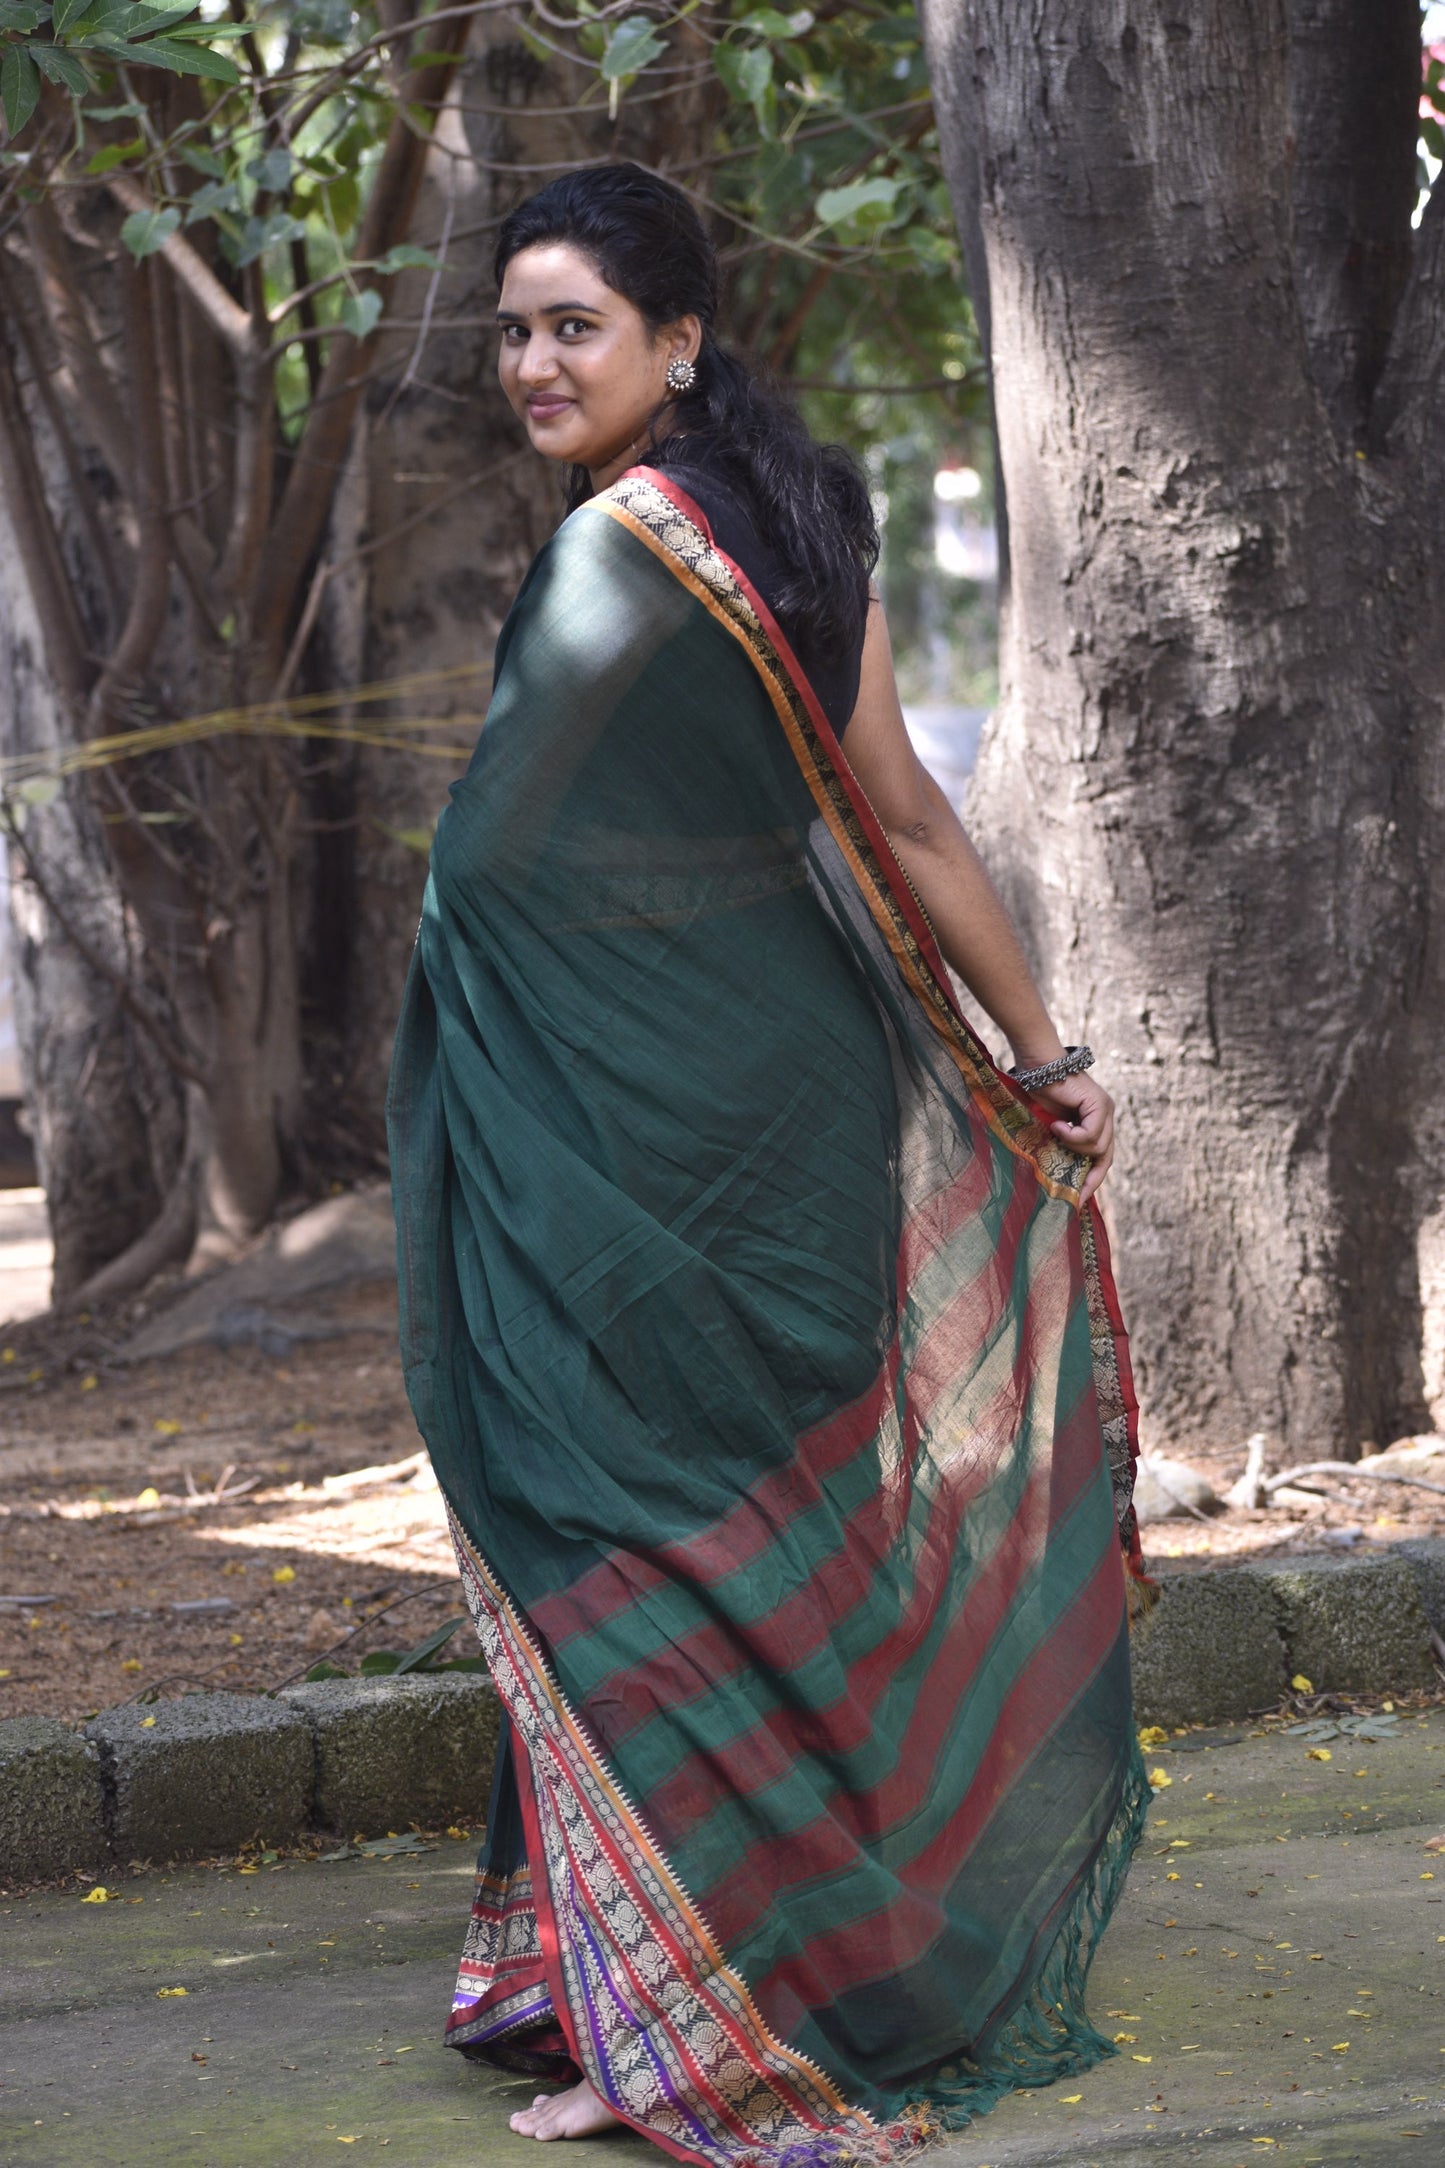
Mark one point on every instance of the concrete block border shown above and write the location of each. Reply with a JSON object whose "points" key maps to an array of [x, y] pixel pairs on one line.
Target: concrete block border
{"points": [[207, 1773], [210, 1772]]}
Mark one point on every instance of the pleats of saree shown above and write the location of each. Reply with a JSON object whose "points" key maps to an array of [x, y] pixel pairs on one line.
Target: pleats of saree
{"points": [[780, 1397]]}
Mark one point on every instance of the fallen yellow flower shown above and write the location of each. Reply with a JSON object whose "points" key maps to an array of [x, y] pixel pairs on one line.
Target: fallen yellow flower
{"points": [[1301, 1685], [1160, 1779], [1153, 1735], [1072, 2099], [149, 1497], [166, 1425], [164, 1993], [100, 1895], [147, 1723], [1320, 1753], [283, 1574]]}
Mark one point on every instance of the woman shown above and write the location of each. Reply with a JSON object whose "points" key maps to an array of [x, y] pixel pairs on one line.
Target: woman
{"points": [[757, 1324]]}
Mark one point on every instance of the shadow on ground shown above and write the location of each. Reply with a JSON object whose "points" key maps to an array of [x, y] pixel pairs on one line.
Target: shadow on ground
{"points": [[1274, 1979]]}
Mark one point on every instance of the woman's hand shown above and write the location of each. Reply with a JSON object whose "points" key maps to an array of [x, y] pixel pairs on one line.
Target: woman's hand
{"points": [[1086, 1123]]}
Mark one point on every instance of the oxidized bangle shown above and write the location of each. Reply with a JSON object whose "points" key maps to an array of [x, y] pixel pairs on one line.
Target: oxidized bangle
{"points": [[1072, 1062]]}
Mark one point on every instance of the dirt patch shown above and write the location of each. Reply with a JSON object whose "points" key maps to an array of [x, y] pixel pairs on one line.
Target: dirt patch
{"points": [[1349, 1514], [110, 1474], [98, 1463]]}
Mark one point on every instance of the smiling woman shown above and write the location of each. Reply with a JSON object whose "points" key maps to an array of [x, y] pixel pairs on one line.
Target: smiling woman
{"points": [[587, 373], [758, 1324]]}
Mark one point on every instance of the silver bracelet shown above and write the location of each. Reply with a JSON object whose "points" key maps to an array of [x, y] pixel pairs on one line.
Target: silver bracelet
{"points": [[1072, 1062]]}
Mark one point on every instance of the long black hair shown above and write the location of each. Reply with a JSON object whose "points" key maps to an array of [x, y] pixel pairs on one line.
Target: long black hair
{"points": [[810, 501]]}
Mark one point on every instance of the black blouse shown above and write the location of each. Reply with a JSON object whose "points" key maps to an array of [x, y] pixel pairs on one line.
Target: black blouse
{"points": [[696, 469]]}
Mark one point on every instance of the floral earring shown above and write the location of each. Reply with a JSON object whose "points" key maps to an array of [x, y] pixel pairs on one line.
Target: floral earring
{"points": [[681, 374]]}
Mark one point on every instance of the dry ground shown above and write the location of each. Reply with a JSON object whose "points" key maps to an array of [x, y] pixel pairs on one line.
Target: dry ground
{"points": [[95, 1514], [101, 1541]]}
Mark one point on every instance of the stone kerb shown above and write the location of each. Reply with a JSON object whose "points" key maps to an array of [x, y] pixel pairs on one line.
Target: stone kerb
{"points": [[393, 1751], [203, 1774], [208, 1772], [1210, 1649], [1353, 1624], [52, 1810]]}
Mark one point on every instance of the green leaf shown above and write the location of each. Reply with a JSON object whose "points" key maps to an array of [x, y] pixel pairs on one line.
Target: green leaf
{"points": [[359, 312], [39, 790], [1432, 135], [21, 15], [131, 110], [19, 88], [146, 231], [211, 201], [261, 234], [768, 23], [61, 67], [435, 60], [65, 12], [406, 256], [836, 206], [629, 49], [380, 1664], [178, 59], [746, 71], [272, 171], [417, 1658], [116, 154], [324, 1671], [200, 160]]}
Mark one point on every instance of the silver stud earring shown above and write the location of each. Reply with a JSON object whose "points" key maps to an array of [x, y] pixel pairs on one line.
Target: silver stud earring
{"points": [[681, 374]]}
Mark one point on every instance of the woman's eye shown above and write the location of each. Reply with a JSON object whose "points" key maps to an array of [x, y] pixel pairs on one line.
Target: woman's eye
{"points": [[513, 334], [572, 324]]}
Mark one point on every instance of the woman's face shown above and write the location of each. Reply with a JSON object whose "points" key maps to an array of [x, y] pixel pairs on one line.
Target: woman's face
{"points": [[579, 365]]}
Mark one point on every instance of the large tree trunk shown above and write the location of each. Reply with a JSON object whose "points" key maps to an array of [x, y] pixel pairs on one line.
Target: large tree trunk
{"points": [[1201, 793]]}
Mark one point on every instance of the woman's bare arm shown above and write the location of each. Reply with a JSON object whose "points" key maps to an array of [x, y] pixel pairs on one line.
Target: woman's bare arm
{"points": [[974, 930]]}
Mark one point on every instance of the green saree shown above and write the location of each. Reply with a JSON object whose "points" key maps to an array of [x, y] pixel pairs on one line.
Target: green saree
{"points": [[776, 1385]]}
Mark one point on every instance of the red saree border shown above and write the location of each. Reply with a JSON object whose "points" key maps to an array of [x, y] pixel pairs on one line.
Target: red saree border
{"points": [[698, 2072], [845, 805], [662, 516]]}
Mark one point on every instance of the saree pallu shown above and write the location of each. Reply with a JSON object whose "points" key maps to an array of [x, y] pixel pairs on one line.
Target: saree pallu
{"points": [[777, 1388]]}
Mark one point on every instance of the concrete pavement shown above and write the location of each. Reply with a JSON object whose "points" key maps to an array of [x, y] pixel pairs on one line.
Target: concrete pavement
{"points": [[1275, 1970]]}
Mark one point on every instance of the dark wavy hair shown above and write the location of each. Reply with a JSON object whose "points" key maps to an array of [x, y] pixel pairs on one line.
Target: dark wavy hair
{"points": [[809, 500]]}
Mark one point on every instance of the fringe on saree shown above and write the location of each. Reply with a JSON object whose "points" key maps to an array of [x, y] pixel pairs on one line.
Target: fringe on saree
{"points": [[778, 1388]]}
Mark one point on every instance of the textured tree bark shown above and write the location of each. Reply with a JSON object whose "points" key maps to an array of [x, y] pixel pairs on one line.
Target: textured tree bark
{"points": [[1354, 96], [1201, 793]]}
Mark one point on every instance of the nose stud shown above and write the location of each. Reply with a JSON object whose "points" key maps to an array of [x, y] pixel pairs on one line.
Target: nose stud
{"points": [[681, 374]]}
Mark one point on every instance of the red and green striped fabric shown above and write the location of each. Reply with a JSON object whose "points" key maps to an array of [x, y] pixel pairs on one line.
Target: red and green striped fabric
{"points": [[778, 1390]]}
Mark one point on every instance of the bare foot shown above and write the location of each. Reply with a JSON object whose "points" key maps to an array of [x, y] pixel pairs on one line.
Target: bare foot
{"points": [[577, 2113]]}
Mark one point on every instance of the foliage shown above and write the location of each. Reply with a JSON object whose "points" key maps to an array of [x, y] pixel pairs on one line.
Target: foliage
{"points": [[819, 170]]}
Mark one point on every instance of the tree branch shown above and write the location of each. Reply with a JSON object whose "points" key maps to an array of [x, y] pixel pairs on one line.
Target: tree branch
{"points": [[178, 1057], [38, 541], [1354, 86], [45, 379], [75, 335], [130, 657], [191, 269], [947, 36], [1412, 383], [306, 500]]}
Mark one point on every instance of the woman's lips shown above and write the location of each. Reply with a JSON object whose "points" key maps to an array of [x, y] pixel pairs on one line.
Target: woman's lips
{"points": [[545, 405]]}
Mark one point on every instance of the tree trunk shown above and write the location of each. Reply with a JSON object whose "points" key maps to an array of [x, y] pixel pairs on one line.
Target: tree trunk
{"points": [[106, 1114], [1201, 793]]}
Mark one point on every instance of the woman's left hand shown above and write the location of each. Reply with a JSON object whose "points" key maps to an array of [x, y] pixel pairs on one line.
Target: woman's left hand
{"points": [[1086, 1123]]}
